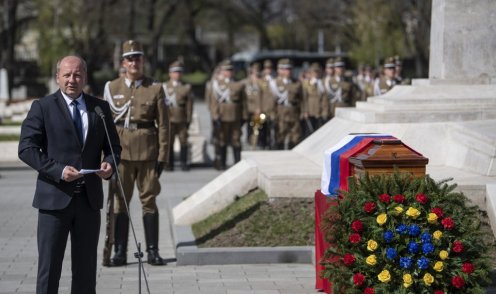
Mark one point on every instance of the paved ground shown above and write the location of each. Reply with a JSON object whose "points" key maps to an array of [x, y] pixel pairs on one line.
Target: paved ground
{"points": [[18, 251]]}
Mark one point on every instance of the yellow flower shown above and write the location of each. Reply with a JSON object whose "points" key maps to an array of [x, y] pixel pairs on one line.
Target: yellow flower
{"points": [[371, 260], [382, 219], [428, 279], [439, 266], [432, 218], [407, 280], [384, 276], [371, 245], [398, 210], [443, 254], [412, 212], [437, 235]]}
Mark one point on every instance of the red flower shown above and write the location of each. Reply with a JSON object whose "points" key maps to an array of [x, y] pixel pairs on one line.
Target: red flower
{"points": [[439, 292], [357, 226], [399, 198], [468, 268], [438, 211], [358, 279], [369, 207], [421, 198], [458, 282], [355, 238], [348, 259], [448, 223], [384, 198], [457, 246], [368, 291]]}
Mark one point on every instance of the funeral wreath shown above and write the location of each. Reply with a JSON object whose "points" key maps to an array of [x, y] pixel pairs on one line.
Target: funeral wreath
{"points": [[401, 234]]}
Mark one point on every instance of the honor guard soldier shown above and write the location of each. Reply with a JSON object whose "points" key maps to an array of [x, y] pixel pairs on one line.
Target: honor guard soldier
{"points": [[228, 110], [387, 81], [268, 104], [398, 67], [342, 88], [288, 99], [329, 73], [253, 103], [142, 123], [315, 103], [179, 99]]}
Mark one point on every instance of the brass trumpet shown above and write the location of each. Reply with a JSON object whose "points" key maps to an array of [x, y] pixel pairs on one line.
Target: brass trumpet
{"points": [[256, 125]]}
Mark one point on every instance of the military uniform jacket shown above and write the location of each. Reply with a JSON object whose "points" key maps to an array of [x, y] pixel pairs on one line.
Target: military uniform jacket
{"points": [[146, 105], [267, 100], [180, 102], [288, 99], [227, 100], [253, 93], [315, 101], [382, 85], [343, 90]]}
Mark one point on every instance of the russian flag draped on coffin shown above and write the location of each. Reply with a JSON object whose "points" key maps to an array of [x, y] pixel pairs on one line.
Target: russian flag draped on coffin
{"points": [[336, 168]]}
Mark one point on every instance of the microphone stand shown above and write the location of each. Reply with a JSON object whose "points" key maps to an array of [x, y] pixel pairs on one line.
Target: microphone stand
{"points": [[139, 253]]}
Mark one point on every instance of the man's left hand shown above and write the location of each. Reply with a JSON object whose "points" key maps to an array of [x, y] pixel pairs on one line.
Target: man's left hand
{"points": [[105, 170]]}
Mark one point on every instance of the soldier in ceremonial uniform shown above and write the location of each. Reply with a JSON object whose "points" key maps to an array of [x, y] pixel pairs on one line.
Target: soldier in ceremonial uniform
{"points": [[398, 67], [387, 81], [179, 99], [267, 135], [329, 73], [289, 101], [228, 111], [342, 88], [315, 103], [253, 100], [143, 126]]}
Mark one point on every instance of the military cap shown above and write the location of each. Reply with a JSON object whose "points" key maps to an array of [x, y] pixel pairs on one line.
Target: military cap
{"points": [[176, 66], [131, 47], [284, 63], [267, 63], [338, 62], [226, 65], [254, 67], [389, 62], [315, 67], [330, 62], [397, 60]]}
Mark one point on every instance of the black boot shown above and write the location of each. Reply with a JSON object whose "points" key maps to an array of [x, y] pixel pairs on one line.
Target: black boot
{"points": [[170, 165], [223, 155], [237, 154], [184, 158], [121, 234], [150, 221]]}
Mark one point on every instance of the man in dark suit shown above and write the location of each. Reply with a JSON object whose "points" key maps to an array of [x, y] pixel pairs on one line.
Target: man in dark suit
{"points": [[61, 135]]}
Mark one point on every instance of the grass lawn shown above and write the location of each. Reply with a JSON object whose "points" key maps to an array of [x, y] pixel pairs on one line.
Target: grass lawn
{"points": [[9, 137], [254, 220]]}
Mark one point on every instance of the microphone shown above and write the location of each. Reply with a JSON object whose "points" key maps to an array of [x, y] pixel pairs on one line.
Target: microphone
{"points": [[139, 253], [100, 113]]}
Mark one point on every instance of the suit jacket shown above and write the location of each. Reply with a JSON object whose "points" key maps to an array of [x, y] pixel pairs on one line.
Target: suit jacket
{"points": [[49, 142]]}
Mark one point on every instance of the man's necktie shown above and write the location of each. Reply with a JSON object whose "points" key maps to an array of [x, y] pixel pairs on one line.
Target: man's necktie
{"points": [[78, 122]]}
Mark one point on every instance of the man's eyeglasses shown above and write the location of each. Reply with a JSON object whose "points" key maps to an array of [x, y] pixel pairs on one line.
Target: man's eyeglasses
{"points": [[134, 57]]}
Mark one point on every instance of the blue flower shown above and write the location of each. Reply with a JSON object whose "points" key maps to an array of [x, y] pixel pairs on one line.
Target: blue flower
{"points": [[388, 236], [406, 262], [426, 237], [427, 248], [391, 253], [402, 229], [413, 247], [423, 263], [414, 230]]}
